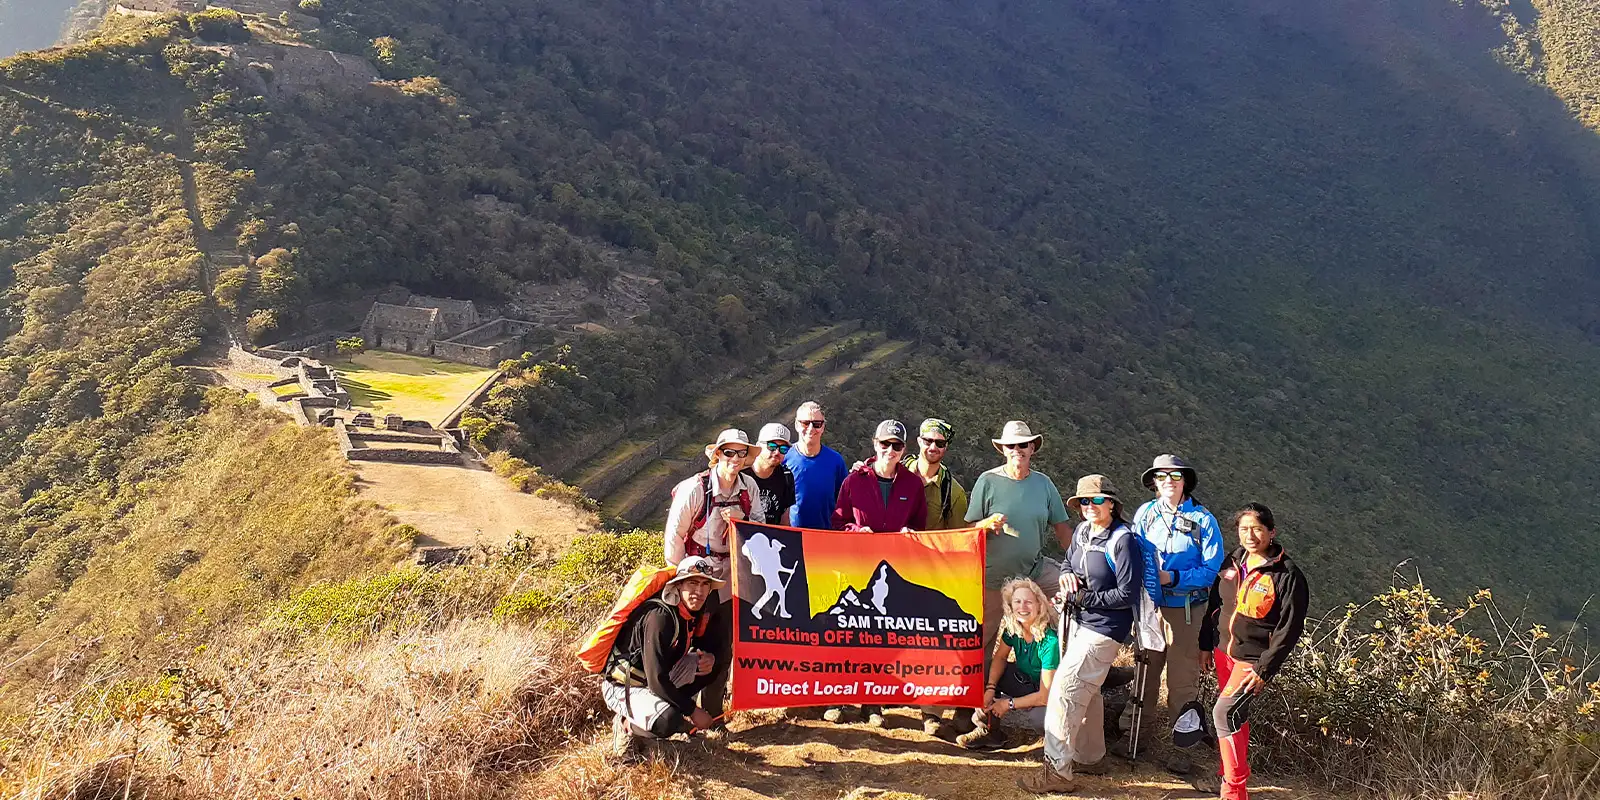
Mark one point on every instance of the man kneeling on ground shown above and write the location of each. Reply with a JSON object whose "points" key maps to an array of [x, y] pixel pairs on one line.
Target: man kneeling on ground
{"points": [[665, 654]]}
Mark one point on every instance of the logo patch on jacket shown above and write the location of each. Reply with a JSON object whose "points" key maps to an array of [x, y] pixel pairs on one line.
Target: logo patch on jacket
{"points": [[1257, 597]]}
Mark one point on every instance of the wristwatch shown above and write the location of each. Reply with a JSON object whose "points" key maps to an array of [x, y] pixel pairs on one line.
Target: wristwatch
{"points": [[1011, 705]]}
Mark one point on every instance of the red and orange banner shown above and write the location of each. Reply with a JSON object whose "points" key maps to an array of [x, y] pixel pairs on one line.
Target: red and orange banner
{"points": [[843, 618]]}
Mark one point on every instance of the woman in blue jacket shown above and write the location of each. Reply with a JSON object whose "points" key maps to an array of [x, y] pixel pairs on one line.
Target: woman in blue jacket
{"points": [[1188, 549]]}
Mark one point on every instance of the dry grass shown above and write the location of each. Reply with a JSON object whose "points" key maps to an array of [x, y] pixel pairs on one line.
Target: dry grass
{"points": [[464, 711]]}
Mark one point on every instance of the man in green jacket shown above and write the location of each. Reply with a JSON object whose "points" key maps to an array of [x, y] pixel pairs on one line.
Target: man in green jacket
{"points": [[947, 510], [947, 501]]}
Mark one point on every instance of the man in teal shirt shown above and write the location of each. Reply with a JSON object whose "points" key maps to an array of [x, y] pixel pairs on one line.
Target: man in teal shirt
{"points": [[1018, 507]]}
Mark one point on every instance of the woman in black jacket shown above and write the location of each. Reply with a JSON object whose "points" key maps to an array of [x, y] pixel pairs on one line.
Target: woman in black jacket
{"points": [[1257, 611]]}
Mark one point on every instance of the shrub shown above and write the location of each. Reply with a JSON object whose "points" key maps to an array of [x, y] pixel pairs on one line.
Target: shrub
{"points": [[219, 25], [572, 495], [605, 557], [1426, 699]]}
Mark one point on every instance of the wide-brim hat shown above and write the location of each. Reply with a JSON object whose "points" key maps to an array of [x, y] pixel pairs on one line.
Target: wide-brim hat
{"points": [[1097, 486], [729, 436], [1168, 462], [697, 567], [1017, 432]]}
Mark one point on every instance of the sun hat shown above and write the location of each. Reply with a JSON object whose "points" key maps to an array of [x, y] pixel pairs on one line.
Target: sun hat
{"points": [[1169, 462], [697, 567], [774, 432], [890, 429], [1190, 728], [1096, 486], [1017, 432], [729, 436], [933, 428]]}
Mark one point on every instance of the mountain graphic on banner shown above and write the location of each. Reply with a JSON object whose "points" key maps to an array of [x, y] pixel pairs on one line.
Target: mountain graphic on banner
{"points": [[888, 594]]}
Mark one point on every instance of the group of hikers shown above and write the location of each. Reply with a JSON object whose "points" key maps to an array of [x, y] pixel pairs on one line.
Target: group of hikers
{"points": [[1161, 578]]}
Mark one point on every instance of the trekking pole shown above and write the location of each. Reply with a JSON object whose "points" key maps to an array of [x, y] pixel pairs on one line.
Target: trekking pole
{"points": [[1140, 665]]}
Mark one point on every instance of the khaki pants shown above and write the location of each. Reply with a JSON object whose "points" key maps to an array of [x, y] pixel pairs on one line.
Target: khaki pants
{"points": [[1074, 723], [1181, 659]]}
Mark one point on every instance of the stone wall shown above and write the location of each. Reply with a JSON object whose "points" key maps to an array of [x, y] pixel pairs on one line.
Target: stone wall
{"points": [[800, 347], [403, 456], [562, 461], [469, 354], [613, 478]]}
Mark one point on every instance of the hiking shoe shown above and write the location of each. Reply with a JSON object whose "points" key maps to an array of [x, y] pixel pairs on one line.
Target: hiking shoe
{"points": [[1047, 781], [981, 739], [624, 745], [1121, 749], [874, 716], [834, 715], [1209, 784], [931, 726], [963, 722], [1097, 768], [1178, 765]]}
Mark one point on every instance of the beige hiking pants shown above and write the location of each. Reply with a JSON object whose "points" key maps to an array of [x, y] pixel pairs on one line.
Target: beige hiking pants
{"points": [[1181, 660], [1074, 722]]}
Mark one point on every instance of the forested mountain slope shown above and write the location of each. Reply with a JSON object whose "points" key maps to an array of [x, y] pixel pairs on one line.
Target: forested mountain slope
{"points": [[1341, 254]]}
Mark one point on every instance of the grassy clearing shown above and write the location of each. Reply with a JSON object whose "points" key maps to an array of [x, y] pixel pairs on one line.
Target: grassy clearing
{"points": [[415, 387]]}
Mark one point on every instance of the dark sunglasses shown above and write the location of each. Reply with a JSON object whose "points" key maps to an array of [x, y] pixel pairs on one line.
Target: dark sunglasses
{"points": [[893, 445], [935, 442], [1021, 446], [1099, 501], [781, 448], [812, 423], [1168, 476], [729, 452]]}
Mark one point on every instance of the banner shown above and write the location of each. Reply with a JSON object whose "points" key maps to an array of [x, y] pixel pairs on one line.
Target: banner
{"points": [[847, 618]]}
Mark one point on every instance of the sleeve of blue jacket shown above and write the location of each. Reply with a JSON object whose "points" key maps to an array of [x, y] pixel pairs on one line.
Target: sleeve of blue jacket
{"points": [[1211, 550], [1128, 560]]}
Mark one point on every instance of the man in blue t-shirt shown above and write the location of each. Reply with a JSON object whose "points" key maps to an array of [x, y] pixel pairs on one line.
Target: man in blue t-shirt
{"points": [[818, 470]]}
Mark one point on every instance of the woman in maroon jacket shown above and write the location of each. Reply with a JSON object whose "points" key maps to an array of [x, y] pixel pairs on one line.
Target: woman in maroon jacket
{"points": [[881, 496]]}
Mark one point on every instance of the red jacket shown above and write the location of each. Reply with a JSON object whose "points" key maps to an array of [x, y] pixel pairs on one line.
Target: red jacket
{"points": [[861, 502]]}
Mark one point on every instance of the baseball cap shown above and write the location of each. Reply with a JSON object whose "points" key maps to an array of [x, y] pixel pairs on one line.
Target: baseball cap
{"points": [[774, 432], [890, 429], [1190, 728]]}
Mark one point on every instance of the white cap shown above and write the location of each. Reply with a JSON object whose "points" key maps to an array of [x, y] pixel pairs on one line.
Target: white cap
{"points": [[774, 432]]}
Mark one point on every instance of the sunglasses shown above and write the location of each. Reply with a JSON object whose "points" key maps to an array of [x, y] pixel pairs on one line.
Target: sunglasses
{"points": [[728, 452], [811, 423], [1168, 476], [892, 445], [935, 442], [779, 448], [1022, 446], [1099, 501]]}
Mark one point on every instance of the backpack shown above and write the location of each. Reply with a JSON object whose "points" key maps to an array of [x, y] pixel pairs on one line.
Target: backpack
{"points": [[944, 488], [1117, 533], [646, 584], [745, 502]]}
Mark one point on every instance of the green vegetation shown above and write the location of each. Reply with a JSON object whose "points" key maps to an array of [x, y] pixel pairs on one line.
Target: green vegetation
{"points": [[415, 387]]}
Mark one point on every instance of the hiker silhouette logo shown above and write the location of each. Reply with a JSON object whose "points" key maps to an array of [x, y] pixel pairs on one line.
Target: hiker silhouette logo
{"points": [[766, 560], [841, 617]]}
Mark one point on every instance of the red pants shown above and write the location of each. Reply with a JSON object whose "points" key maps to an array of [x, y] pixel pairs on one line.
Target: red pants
{"points": [[1234, 744]]}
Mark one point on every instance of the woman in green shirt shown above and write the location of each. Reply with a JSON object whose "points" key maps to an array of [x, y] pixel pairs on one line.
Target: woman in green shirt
{"points": [[1025, 661]]}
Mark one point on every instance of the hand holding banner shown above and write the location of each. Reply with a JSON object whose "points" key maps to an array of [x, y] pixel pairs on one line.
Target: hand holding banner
{"points": [[843, 618]]}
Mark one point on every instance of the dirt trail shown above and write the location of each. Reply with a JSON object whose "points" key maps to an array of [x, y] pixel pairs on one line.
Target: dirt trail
{"points": [[807, 759], [464, 506]]}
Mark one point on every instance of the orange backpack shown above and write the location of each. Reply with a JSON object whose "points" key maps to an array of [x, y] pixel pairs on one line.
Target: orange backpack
{"points": [[646, 583]]}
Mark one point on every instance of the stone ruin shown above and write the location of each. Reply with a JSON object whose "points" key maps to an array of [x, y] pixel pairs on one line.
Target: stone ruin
{"points": [[443, 328]]}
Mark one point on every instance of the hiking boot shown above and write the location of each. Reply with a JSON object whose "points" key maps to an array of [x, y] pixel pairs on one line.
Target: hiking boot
{"points": [[981, 738], [1047, 781], [1209, 784], [1097, 768], [963, 722], [874, 716], [834, 714], [1121, 749], [1178, 765], [624, 745], [931, 726]]}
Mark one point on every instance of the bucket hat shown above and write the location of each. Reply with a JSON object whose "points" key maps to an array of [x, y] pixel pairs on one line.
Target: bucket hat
{"points": [[697, 567], [1168, 462], [1017, 432], [1096, 486], [729, 436]]}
